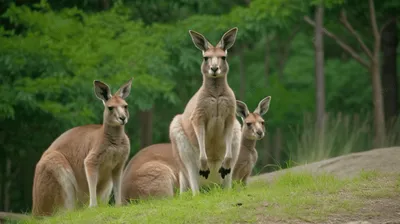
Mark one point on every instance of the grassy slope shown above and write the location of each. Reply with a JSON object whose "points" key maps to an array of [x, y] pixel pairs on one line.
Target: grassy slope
{"points": [[291, 196]]}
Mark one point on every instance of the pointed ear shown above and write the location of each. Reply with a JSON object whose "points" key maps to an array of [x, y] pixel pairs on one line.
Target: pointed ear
{"points": [[241, 109], [263, 106], [199, 40], [101, 90], [125, 89], [228, 39]]}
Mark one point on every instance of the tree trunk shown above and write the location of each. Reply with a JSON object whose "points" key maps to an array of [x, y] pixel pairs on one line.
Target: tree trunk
{"points": [[389, 71], [1, 187], [104, 4], [242, 70], [281, 59], [267, 60], [146, 127], [266, 156], [319, 69], [379, 115], [278, 145], [7, 185], [284, 50]]}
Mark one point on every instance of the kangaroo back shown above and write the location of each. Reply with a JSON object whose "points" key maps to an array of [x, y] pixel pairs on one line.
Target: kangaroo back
{"points": [[152, 172]]}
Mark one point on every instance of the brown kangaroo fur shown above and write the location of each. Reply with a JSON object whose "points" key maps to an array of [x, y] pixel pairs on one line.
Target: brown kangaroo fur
{"points": [[253, 130], [152, 172], [205, 145], [85, 162]]}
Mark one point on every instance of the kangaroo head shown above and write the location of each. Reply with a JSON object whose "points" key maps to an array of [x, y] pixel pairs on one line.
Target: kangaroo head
{"points": [[214, 63], [115, 107], [253, 123]]}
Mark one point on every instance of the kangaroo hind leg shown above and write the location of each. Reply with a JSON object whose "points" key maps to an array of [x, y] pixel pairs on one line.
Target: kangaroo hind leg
{"points": [[54, 186]]}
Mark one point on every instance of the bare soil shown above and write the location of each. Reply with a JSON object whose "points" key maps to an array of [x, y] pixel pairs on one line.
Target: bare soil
{"points": [[374, 210]]}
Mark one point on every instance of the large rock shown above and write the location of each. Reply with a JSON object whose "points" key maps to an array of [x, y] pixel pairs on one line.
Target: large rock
{"points": [[385, 160]]}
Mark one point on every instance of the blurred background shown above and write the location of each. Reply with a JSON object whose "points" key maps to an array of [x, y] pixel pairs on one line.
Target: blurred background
{"points": [[330, 67]]}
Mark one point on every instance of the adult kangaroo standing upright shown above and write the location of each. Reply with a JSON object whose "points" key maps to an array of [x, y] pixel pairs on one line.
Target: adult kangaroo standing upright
{"points": [[85, 162], [206, 145]]}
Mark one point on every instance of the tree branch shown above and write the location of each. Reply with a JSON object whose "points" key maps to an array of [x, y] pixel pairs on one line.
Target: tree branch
{"points": [[345, 47], [387, 23], [349, 27], [375, 30]]}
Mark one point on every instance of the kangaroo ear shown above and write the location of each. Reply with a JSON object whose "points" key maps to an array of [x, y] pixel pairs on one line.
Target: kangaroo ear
{"points": [[263, 106], [125, 89], [101, 90], [241, 109], [199, 40], [228, 39]]}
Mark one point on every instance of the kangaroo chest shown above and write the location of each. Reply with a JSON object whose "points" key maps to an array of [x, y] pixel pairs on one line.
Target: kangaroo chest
{"points": [[112, 156], [219, 111]]}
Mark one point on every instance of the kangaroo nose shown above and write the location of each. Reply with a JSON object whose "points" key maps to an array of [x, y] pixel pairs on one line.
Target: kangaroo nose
{"points": [[214, 69], [122, 118], [260, 133]]}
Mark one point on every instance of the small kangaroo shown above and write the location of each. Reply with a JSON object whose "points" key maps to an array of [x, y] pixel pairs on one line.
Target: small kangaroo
{"points": [[253, 129], [85, 162], [204, 146]]}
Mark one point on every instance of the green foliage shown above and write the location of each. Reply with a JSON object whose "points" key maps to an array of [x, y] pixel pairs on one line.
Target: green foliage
{"points": [[58, 52], [51, 51]]}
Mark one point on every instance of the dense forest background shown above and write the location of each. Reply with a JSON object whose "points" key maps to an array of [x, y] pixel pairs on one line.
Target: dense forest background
{"points": [[330, 67]]}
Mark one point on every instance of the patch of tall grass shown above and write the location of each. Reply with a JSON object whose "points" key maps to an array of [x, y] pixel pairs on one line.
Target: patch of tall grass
{"points": [[342, 134]]}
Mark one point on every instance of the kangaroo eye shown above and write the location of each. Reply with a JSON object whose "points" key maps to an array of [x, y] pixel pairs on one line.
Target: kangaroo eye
{"points": [[205, 58], [262, 123], [110, 108], [126, 107], [223, 58]]}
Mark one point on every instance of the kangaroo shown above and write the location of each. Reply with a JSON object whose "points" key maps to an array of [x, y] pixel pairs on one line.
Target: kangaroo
{"points": [[154, 172], [85, 162], [204, 147], [253, 129]]}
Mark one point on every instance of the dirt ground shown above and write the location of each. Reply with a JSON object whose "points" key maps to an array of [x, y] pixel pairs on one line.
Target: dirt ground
{"points": [[375, 211]]}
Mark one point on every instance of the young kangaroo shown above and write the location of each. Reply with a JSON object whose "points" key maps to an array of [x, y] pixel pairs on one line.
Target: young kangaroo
{"points": [[86, 160], [204, 146], [253, 129]]}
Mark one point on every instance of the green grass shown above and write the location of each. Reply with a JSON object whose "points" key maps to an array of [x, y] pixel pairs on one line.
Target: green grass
{"points": [[291, 196]]}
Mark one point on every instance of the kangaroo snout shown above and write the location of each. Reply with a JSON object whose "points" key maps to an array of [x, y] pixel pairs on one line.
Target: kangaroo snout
{"points": [[260, 134], [214, 69]]}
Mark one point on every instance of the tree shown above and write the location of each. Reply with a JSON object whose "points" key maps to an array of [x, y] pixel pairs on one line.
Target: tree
{"points": [[319, 68], [146, 127], [372, 64], [390, 42], [284, 44]]}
